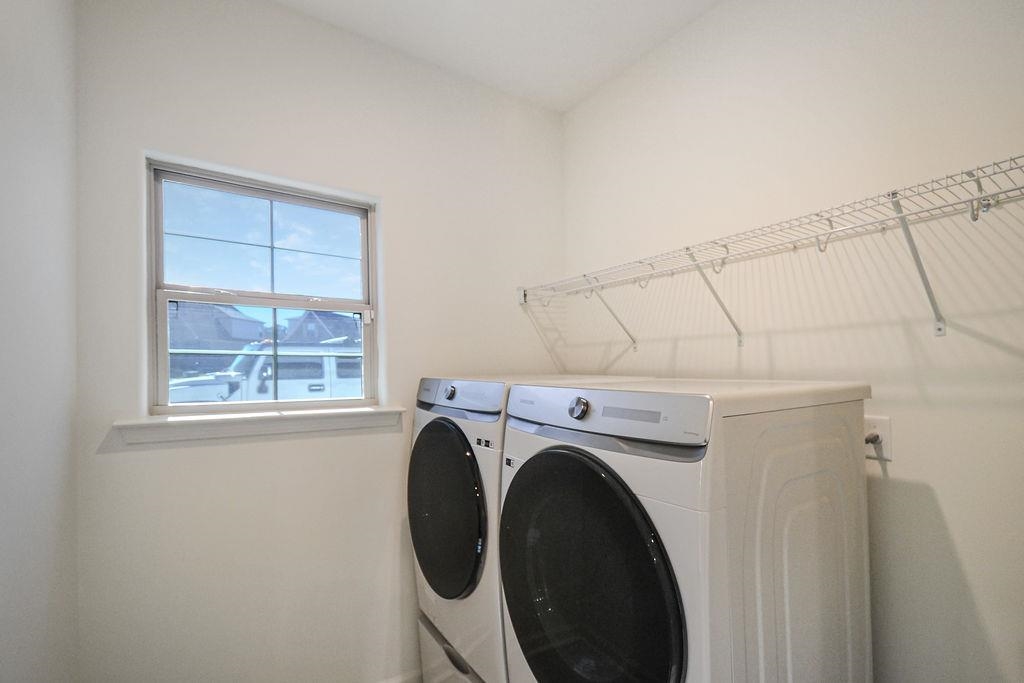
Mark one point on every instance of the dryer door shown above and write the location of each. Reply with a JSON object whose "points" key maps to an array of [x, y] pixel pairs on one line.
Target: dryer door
{"points": [[447, 514], [588, 586]]}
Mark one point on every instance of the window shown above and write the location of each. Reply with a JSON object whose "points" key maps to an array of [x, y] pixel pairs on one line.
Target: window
{"points": [[261, 294]]}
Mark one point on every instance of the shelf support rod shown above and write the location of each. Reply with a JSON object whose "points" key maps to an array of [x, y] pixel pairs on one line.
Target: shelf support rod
{"points": [[718, 299], [540, 332], [940, 321], [629, 334]]}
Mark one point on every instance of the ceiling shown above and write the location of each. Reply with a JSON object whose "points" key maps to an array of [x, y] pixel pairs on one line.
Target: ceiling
{"points": [[552, 52]]}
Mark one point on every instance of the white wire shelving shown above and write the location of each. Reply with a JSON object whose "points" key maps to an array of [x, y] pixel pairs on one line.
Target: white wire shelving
{"points": [[973, 192]]}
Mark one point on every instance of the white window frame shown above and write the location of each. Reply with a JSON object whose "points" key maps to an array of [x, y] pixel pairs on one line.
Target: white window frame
{"points": [[160, 293]]}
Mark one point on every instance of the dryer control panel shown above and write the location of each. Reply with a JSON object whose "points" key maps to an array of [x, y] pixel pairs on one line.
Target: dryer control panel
{"points": [[474, 395], [683, 419]]}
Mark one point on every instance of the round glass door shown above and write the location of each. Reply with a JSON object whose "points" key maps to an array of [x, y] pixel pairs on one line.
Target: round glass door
{"points": [[447, 515], [588, 586]]}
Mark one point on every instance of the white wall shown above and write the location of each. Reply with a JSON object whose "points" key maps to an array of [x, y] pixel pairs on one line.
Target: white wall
{"points": [[37, 546], [285, 559], [763, 111]]}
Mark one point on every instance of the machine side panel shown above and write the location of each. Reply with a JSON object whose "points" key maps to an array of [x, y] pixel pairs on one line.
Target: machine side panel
{"points": [[798, 544]]}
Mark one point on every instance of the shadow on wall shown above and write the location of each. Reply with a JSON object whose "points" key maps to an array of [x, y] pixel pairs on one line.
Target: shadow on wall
{"points": [[857, 310], [947, 629]]}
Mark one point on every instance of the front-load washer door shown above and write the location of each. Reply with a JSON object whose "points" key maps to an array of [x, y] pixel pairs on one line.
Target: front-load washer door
{"points": [[447, 513], [588, 586]]}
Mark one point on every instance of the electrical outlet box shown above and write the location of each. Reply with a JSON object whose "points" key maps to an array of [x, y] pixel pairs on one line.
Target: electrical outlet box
{"points": [[883, 448]]}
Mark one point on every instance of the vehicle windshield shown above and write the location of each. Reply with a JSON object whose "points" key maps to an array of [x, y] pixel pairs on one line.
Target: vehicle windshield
{"points": [[243, 362]]}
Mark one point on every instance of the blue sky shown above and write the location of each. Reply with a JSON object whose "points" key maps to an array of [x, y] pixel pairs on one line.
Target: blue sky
{"points": [[232, 241]]}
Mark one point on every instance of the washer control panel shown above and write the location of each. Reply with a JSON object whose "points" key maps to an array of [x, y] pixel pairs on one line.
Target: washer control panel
{"points": [[683, 419]]}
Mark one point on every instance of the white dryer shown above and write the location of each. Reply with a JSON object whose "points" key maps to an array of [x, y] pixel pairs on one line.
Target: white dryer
{"points": [[453, 503], [685, 531]]}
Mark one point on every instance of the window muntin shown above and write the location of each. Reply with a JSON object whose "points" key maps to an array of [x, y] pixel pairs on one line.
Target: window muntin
{"points": [[233, 267]]}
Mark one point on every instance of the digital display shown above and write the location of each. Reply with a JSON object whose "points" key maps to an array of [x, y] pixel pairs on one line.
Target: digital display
{"points": [[652, 416]]}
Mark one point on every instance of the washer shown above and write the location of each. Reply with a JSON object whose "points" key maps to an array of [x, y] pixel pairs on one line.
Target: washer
{"points": [[677, 530], [453, 502]]}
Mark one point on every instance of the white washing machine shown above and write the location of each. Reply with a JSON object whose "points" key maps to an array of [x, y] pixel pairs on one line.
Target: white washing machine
{"points": [[453, 503], [694, 531]]}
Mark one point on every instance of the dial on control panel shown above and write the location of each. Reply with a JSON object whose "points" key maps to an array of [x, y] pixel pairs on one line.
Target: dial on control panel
{"points": [[449, 393], [578, 408]]}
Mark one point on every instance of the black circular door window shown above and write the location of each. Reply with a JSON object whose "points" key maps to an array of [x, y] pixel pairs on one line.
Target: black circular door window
{"points": [[588, 586], [447, 516]]}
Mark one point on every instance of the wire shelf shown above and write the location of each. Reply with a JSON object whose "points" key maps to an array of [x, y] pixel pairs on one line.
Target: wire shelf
{"points": [[971, 192]]}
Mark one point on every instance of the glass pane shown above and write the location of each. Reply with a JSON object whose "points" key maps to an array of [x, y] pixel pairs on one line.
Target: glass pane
{"points": [[320, 231], [193, 326], [208, 263], [348, 377], [218, 352], [302, 378], [447, 516], [348, 367], [297, 326], [299, 367], [588, 586], [337, 336], [297, 272], [202, 212]]}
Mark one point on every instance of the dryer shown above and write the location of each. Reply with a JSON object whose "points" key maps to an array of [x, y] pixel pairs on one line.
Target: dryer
{"points": [[678, 530], [453, 494]]}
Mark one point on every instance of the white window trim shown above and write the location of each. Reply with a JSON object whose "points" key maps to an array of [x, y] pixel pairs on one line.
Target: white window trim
{"points": [[180, 429], [158, 297]]}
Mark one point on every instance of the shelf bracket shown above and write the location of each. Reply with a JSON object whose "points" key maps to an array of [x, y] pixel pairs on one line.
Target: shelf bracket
{"points": [[981, 205], [521, 296], [940, 321], [629, 334], [718, 299]]}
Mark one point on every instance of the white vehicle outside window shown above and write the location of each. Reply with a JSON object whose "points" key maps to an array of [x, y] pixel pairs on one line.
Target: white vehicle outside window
{"points": [[262, 294]]}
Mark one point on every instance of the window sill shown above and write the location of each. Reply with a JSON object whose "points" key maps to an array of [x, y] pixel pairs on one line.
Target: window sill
{"points": [[163, 429]]}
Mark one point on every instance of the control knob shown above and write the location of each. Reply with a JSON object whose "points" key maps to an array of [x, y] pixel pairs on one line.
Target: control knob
{"points": [[578, 408]]}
